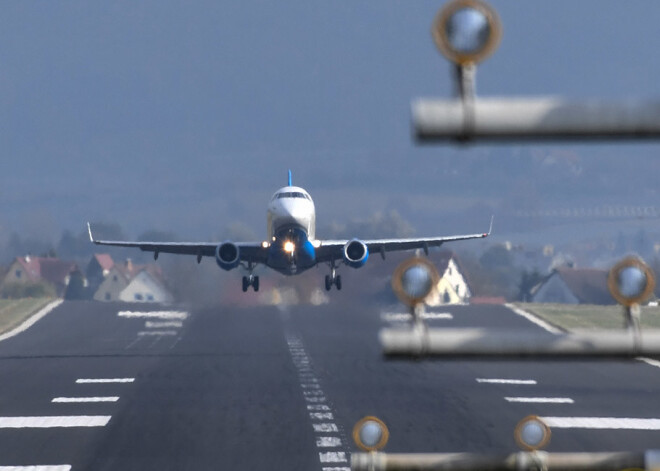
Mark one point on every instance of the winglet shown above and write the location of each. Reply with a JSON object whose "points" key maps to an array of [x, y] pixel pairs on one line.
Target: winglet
{"points": [[290, 178], [490, 229], [89, 230]]}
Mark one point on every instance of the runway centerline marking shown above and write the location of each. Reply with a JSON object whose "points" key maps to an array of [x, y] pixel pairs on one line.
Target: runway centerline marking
{"points": [[541, 400], [328, 442], [165, 315], [505, 381], [59, 467], [157, 333], [55, 421], [325, 427], [104, 380], [86, 399], [609, 423]]}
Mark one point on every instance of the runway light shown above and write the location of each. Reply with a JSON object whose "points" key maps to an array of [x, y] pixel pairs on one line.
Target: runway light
{"points": [[316, 244], [532, 433], [414, 280], [630, 281], [265, 244], [370, 433], [289, 247], [466, 31]]}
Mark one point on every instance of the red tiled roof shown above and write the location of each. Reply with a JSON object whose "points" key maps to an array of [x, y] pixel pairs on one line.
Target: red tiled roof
{"points": [[589, 285], [48, 269], [104, 260]]}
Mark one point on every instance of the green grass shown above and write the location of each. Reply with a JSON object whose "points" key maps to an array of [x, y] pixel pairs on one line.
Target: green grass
{"points": [[14, 311], [581, 316]]}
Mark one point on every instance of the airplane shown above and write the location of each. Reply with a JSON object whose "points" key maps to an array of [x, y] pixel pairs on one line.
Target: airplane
{"points": [[291, 246]]}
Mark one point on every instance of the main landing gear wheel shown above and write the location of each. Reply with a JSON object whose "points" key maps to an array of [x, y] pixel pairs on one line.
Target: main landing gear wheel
{"points": [[250, 281], [332, 280]]}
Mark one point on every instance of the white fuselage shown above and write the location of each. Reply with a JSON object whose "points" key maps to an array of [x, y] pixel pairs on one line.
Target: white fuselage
{"points": [[291, 207]]}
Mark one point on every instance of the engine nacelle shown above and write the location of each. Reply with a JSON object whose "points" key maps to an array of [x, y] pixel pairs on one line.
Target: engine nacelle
{"points": [[227, 255], [356, 253]]}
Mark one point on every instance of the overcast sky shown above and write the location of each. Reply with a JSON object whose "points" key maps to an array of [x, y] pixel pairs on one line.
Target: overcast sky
{"points": [[185, 116]]}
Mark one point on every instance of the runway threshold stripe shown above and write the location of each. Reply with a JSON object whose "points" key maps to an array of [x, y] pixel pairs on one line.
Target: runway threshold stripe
{"points": [[541, 400], [55, 421], [505, 381], [165, 315], [157, 333], [333, 457], [104, 380], [609, 423], [163, 325], [61, 467], [86, 399]]}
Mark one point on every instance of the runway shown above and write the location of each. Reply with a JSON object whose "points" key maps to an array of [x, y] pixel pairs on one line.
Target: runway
{"points": [[117, 386]]}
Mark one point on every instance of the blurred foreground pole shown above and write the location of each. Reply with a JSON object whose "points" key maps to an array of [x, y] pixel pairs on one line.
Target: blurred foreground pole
{"points": [[533, 118], [460, 343], [648, 460]]}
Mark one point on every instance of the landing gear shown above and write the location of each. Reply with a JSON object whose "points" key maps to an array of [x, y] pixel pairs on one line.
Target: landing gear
{"points": [[250, 280], [332, 279]]}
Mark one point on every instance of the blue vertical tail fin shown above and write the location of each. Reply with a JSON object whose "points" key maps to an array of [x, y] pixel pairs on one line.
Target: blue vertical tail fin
{"points": [[290, 178]]}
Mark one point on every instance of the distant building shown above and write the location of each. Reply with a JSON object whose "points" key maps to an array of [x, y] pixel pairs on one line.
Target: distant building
{"points": [[133, 283], [98, 268], [574, 286], [56, 272], [453, 287]]}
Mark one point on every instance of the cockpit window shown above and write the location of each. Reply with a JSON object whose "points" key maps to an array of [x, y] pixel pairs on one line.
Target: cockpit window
{"points": [[293, 194]]}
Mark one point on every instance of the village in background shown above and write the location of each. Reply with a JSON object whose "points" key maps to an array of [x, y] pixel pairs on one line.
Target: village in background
{"points": [[499, 272]]}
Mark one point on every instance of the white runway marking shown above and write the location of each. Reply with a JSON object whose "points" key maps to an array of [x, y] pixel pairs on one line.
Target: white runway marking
{"points": [[310, 386], [104, 380], [328, 442], [541, 400], [315, 399], [55, 421], [157, 333], [333, 457], [325, 428], [649, 361], [61, 467], [534, 319], [318, 407], [321, 416], [406, 317], [614, 423], [165, 315], [86, 399], [336, 469], [163, 325], [506, 381]]}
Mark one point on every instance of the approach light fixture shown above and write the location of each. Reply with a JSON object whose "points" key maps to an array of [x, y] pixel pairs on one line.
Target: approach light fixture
{"points": [[630, 281], [466, 31], [370, 434], [414, 280], [532, 433]]}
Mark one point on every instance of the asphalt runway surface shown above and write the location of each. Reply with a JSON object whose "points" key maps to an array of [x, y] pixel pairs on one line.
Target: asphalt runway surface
{"points": [[132, 387]]}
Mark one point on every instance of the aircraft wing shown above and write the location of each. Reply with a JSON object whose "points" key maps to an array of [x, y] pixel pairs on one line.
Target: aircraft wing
{"points": [[249, 251], [332, 249]]}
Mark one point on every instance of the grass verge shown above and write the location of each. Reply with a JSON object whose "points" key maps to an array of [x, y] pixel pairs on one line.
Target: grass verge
{"points": [[14, 311], [581, 316]]}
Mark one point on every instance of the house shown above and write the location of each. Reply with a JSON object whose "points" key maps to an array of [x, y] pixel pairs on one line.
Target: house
{"points": [[453, 287], [573, 286], [31, 270], [146, 286], [134, 283], [97, 269]]}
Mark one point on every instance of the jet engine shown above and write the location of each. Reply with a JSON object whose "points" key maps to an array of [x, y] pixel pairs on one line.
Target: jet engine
{"points": [[227, 255], [356, 253]]}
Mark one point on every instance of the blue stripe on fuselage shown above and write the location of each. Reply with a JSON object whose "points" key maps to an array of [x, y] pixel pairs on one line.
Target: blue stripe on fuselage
{"points": [[304, 255]]}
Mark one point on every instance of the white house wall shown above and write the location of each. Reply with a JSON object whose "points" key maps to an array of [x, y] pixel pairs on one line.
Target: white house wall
{"points": [[144, 288]]}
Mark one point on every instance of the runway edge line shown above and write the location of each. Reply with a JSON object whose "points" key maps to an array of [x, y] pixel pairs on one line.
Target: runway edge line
{"points": [[30, 321]]}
